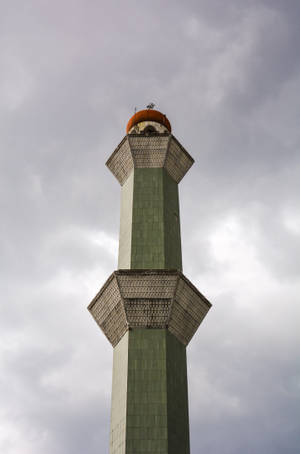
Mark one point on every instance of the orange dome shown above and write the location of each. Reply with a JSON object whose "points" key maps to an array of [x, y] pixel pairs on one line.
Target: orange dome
{"points": [[148, 115]]}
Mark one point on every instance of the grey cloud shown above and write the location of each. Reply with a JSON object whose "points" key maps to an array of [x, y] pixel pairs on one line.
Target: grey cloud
{"points": [[227, 76]]}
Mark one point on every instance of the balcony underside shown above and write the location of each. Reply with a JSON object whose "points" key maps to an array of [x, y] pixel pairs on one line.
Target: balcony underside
{"points": [[149, 299]]}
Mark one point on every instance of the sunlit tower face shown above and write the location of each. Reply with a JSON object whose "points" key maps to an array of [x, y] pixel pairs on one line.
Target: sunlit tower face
{"points": [[148, 309]]}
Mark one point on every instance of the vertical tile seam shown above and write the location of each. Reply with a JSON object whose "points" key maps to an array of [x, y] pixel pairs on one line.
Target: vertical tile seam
{"points": [[164, 212], [131, 230], [132, 211], [120, 228], [179, 228], [187, 401], [127, 373], [178, 246], [170, 335], [121, 238], [167, 397]]}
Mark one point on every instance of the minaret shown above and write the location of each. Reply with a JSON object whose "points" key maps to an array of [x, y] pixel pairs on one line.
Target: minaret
{"points": [[148, 309]]}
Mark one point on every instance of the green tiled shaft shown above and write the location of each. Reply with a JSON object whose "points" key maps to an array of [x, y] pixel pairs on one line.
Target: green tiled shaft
{"points": [[148, 309], [151, 362], [150, 401], [150, 222]]}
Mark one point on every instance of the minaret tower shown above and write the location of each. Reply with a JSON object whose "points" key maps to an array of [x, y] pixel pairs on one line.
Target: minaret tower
{"points": [[148, 309]]}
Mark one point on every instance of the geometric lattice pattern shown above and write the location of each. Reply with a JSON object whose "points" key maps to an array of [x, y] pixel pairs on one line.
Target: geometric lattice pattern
{"points": [[155, 151], [149, 299], [150, 312]]}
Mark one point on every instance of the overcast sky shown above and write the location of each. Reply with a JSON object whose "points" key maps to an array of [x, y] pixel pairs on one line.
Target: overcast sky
{"points": [[227, 75]]}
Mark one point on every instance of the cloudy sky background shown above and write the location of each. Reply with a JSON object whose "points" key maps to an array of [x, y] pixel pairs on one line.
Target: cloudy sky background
{"points": [[227, 74]]}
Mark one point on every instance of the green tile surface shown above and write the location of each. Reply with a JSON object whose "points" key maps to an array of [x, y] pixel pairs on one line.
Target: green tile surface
{"points": [[177, 406], [172, 239], [126, 223], [155, 238], [156, 394]]}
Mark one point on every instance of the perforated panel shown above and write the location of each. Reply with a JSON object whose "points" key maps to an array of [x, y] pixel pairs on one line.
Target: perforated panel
{"points": [[108, 311], [149, 299], [154, 151], [178, 161], [106, 300], [148, 151], [144, 285], [115, 325], [147, 312], [121, 163]]}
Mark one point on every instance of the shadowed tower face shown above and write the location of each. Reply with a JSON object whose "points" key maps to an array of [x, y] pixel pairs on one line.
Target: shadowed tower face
{"points": [[148, 309]]}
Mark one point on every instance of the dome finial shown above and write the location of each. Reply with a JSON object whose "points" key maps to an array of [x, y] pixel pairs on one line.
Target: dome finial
{"points": [[151, 105], [148, 115]]}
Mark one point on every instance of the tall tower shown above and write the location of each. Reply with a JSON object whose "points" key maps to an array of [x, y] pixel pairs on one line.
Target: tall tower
{"points": [[148, 309]]}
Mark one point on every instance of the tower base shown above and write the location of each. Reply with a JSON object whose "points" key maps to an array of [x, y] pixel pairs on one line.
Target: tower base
{"points": [[149, 394]]}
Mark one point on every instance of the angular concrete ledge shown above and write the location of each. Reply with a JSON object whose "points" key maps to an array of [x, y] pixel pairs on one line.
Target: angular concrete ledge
{"points": [[149, 299], [155, 151]]}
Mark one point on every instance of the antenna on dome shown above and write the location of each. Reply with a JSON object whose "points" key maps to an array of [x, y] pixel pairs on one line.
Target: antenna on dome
{"points": [[150, 105]]}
